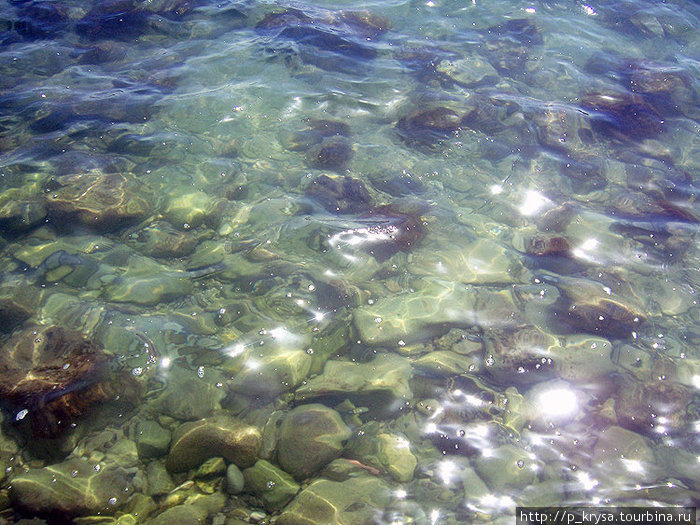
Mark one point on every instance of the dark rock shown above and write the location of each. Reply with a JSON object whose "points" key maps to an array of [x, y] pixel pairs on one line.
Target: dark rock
{"points": [[339, 195], [600, 316], [51, 376], [622, 115], [518, 356], [39, 20], [390, 230], [332, 154], [428, 127], [520, 30], [100, 52], [654, 407], [548, 246], [114, 19]]}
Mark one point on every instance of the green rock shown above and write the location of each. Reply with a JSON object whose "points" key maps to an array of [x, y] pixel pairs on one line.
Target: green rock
{"points": [[197, 441], [159, 482], [279, 370], [445, 364], [324, 502], [310, 437], [18, 303], [621, 452], [480, 262], [506, 467], [234, 480], [274, 486], [180, 514], [103, 202], [380, 385], [71, 488], [211, 468], [152, 440], [188, 396], [388, 453]]}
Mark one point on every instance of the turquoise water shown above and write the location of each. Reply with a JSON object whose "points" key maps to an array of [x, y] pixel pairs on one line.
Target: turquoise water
{"points": [[398, 262]]}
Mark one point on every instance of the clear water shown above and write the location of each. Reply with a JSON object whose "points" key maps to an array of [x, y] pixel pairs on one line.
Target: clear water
{"points": [[511, 263]]}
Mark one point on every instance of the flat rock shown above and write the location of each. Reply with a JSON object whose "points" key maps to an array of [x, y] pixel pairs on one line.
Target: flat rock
{"points": [[274, 486], [310, 437], [278, 371], [324, 502], [380, 385], [103, 202], [71, 488], [197, 441], [188, 396], [506, 466]]}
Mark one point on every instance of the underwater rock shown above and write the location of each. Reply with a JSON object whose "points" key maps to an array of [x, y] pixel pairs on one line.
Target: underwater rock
{"points": [[52, 376], [158, 480], [190, 210], [324, 502], [563, 128], [151, 439], [482, 261], [471, 72], [616, 447], [187, 396], [39, 20], [98, 478], [622, 115], [332, 154], [398, 185], [272, 485], [97, 201], [339, 195], [388, 453], [507, 467], [234, 480], [195, 442], [380, 385], [519, 30], [341, 32], [20, 213], [654, 407], [311, 436], [161, 239], [186, 514], [428, 127], [317, 131], [114, 19], [18, 302], [389, 230], [598, 315], [279, 370], [443, 363], [520, 356]]}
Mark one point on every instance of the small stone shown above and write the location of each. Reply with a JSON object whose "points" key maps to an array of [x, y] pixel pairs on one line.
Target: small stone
{"points": [[211, 468], [234, 480], [310, 437], [274, 486], [195, 442]]}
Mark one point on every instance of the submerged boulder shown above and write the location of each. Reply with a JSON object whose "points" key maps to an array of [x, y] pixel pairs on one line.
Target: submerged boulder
{"points": [[311, 436], [98, 201], [51, 376]]}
